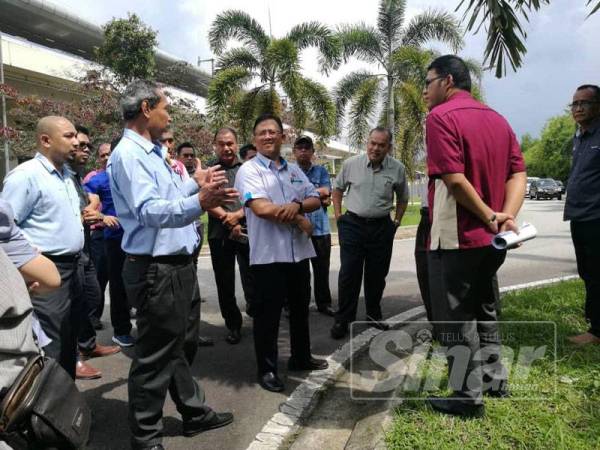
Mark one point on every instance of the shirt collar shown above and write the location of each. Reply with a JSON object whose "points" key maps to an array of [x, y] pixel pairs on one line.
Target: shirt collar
{"points": [[383, 165], [50, 167], [140, 140], [267, 162], [591, 130]]}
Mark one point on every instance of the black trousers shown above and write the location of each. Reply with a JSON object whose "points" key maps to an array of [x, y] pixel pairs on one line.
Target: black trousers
{"points": [[586, 240], [274, 283], [421, 250], [59, 314], [365, 245], [167, 298], [119, 306], [98, 255], [320, 267], [462, 298], [223, 253], [86, 338]]}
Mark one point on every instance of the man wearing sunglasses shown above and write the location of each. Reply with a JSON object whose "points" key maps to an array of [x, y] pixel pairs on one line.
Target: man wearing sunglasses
{"points": [[582, 206]]}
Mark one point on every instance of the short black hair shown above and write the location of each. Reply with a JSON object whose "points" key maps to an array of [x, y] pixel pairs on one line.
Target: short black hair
{"points": [[225, 130], [267, 116], [382, 130], [455, 66], [82, 130], [245, 149], [184, 145], [591, 87]]}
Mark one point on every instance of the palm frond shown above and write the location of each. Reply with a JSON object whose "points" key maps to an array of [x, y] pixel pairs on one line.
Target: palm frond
{"points": [[594, 9], [240, 57], [409, 122], [246, 111], [361, 113], [321, 108], [223, 87], [238, 25], [475, 69], [410, 63], [361, 41], [315, 34], [390, 20], [344, 91], [433, 25]]}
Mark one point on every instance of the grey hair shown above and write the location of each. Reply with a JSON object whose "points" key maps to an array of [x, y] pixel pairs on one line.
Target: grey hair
{"points": [[134, 95]]}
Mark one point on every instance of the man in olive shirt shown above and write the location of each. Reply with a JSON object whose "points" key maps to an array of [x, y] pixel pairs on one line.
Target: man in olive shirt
{"points": [[366, 231], [227, 242], [582, 206]]}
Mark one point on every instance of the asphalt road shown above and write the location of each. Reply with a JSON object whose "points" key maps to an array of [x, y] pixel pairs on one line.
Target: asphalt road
{"points": [[227, 373]]}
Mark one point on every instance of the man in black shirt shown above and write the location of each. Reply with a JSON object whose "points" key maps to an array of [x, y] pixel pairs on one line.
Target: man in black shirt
{"points": [[227, 240], [582, 206]]}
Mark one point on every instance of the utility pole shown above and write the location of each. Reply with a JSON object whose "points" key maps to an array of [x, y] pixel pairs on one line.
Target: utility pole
{"points": [[4, 123], [212, 64]]}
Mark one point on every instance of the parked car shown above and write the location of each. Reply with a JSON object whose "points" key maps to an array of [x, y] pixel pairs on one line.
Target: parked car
{"points": [[529, 180], [545, 188], [561, 185]]}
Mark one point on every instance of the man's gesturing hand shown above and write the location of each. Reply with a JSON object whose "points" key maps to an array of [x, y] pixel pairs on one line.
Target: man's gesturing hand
{"points": [[213, 195], [206, 176]]}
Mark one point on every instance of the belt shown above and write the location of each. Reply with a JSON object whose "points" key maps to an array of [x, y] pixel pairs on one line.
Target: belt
{"points": [[63, 258], [163, 259], [367, 219]]}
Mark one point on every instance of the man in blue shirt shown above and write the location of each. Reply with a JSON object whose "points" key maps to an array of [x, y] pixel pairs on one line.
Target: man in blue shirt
{"points": [[99, 185], [44, 199], [157, 211], [276, 194], [304, 152]]}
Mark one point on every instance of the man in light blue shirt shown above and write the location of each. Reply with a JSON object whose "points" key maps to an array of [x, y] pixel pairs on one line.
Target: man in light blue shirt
{"points": [[157, 212], [276, 194], [45, 202]]}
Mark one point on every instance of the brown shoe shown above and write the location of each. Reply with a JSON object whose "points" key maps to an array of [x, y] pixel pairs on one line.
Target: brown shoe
{"points": [[585, 338], [100, 351], [83, 371]]}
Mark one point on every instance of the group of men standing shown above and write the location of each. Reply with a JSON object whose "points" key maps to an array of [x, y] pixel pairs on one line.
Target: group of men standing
{"points": [[271, 216]]}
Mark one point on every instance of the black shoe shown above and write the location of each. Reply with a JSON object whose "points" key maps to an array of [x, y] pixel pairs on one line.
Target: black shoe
{"points": [[271, 382], [311, 364], [152, 447], [326, 310], [234, 337], [379, 324], [192, 427], [205, 341], [497, 393], [339, 330], [456, 407]]}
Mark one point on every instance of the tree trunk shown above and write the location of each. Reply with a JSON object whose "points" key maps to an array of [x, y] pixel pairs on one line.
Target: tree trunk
{"points": [[391, 111]]}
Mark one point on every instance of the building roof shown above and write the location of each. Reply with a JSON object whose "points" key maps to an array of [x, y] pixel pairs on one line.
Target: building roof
{"points": [[51, 26]]}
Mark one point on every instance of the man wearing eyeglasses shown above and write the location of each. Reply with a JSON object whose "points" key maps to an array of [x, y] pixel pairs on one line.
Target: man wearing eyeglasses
{"points": [[582, 206], [477, 183]]}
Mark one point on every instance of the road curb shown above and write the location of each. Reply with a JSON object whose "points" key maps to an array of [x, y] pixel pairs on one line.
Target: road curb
{"points": [[283, 426]]}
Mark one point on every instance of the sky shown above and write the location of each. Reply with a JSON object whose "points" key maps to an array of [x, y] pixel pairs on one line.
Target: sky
{"points": [[562, 45]]}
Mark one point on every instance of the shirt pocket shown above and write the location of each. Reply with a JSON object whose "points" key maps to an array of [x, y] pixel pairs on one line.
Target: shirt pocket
{"points": [[383, 186]]}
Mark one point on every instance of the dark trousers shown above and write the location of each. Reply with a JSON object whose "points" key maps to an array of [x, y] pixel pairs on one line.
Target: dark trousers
{"points": [[223, 253], [320, 267], [86, 338], [586, 240], [464, 310], [98, 255], [59, 314], [119, 306], [365, 245], [421, 240], [167, 298], [274, 283]]}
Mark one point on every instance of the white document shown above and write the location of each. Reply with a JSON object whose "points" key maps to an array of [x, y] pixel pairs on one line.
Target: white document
{"points": [[510, 239]]}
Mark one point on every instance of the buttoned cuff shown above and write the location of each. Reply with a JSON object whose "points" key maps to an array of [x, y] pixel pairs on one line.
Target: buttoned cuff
{"points": [[191, 206]]}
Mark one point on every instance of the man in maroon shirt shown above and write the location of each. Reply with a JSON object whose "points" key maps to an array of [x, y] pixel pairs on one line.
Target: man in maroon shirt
{"points": [[477, 183]]}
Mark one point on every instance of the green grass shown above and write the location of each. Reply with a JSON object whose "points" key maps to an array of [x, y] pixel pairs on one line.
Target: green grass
{"points": [[568, 419]]}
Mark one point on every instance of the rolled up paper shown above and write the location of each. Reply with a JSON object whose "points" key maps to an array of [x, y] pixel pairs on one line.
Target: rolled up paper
{"points": [[509, 239]]}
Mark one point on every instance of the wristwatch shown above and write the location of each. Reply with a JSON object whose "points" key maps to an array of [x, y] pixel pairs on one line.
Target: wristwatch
{"points": [[301, 210]]}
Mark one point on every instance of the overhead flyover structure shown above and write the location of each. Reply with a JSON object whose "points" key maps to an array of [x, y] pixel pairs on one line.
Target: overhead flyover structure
{"points": [[49, 25]]}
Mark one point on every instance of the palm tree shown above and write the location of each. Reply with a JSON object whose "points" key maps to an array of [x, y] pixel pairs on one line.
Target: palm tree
{"points": [[273, 66], [381, 45], [505, 34]]}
